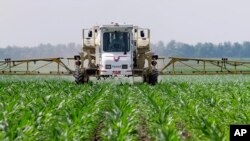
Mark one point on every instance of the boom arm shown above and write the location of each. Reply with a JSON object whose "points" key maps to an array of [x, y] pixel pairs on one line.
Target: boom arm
{"points": [[195, 66], [43, 66]]}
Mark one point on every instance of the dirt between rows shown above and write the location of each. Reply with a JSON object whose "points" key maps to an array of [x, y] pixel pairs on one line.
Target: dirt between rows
{"points": [[143, 131], [97, 131]]}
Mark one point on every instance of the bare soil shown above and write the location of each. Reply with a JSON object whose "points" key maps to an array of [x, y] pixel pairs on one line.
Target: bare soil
{"points": [[143, 131], [97, 131]]}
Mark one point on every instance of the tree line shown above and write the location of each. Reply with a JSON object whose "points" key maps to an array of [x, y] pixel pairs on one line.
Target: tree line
{"points": [[173, 48], [40, 51], [203, 50]]}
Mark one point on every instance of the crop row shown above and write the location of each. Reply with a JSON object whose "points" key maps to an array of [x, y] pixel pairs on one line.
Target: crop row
{"points": [[61, 110]]}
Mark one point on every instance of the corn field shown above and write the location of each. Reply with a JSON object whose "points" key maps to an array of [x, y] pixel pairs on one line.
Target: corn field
{"points": [[178, 108]]}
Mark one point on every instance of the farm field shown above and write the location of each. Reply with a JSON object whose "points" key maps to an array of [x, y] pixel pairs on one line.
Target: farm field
{"points": [[178, 108]]}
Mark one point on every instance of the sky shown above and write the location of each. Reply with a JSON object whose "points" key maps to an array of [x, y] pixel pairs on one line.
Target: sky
{"points": [[31, 22]]}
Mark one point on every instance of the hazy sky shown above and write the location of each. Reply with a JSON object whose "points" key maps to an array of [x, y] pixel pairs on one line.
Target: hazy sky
{"points": [[31, 22]]}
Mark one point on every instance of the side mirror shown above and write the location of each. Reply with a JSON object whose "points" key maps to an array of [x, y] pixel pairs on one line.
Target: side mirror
{"points": [[77, 57], [155, 57]]}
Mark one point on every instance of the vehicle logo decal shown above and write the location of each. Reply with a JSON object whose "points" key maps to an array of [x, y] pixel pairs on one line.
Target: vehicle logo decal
{"points": [[116, 58]]}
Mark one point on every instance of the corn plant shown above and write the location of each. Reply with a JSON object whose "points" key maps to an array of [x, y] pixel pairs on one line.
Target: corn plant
{"points": [[178, 108]]}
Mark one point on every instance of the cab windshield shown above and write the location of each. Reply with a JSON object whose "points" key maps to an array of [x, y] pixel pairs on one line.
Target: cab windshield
{"points": [[116, 41]]}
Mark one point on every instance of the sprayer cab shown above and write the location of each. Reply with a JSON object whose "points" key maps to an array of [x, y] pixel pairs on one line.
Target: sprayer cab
{"points": [[116, 50]]}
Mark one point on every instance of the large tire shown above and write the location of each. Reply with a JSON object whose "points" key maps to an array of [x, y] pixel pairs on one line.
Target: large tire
{"points": [[79, 77], [153, 77], [145, 78]]}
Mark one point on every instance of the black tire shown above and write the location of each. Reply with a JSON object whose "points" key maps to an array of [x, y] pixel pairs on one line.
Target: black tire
{"points": [[79, 77], [144, 79], [153, 77]]}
